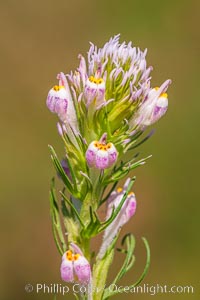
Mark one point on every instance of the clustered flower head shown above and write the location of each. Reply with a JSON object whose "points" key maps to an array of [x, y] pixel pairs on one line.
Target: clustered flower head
{"points": [[104, 107], [110, 94]]}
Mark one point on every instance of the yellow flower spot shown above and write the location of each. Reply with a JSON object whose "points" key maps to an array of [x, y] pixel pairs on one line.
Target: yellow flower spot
{"points": [[96, 144], [102, 147], [131, 194], [119, 189], [58, 87], [100, 80], [69, 255], [91, 78], [164, 95], [156, 88], [96, 80], [76, 256]]}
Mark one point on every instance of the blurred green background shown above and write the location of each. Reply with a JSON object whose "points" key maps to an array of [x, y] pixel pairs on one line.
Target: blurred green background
{"points": [[40, 39]]}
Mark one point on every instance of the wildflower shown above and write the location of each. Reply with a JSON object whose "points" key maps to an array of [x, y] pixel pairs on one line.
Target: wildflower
{"points": [[108, 96], [127, 211], [122, 67], [59, 101], [117, 76], [128, 208], [94, 89], [101, 155], [75, 267], [153, 108]]}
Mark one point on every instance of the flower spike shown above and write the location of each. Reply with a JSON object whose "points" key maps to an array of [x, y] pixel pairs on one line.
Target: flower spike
{"points": [[104, 108]]}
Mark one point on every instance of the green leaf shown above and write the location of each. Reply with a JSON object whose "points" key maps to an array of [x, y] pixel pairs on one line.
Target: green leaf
{"points": [[136, 164], [142, 141], [124, 169], [56, 225], [73, 208], [144, 273], [60, 170], [93, 226], [65, 211], [109, 293], [129, 260]]}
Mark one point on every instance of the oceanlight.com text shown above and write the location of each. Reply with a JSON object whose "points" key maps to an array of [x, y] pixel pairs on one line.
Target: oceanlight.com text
{"points": [[58, 288]]}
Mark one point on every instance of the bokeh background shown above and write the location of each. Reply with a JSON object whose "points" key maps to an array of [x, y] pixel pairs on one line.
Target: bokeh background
{"points": [[41, 38]]}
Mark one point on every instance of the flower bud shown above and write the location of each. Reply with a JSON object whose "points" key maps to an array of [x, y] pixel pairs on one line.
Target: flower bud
{"points": [[127, 211], [152, 112], [57, 101], [160, 108], [94, 89], [75, 266], [101, 155], [153, 108]]}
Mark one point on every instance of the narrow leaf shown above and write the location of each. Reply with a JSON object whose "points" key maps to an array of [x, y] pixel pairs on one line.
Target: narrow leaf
{"points": [[60, 170], [129, 260], [108, 293], [73, 208], [142, 141], [56, 225]]}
